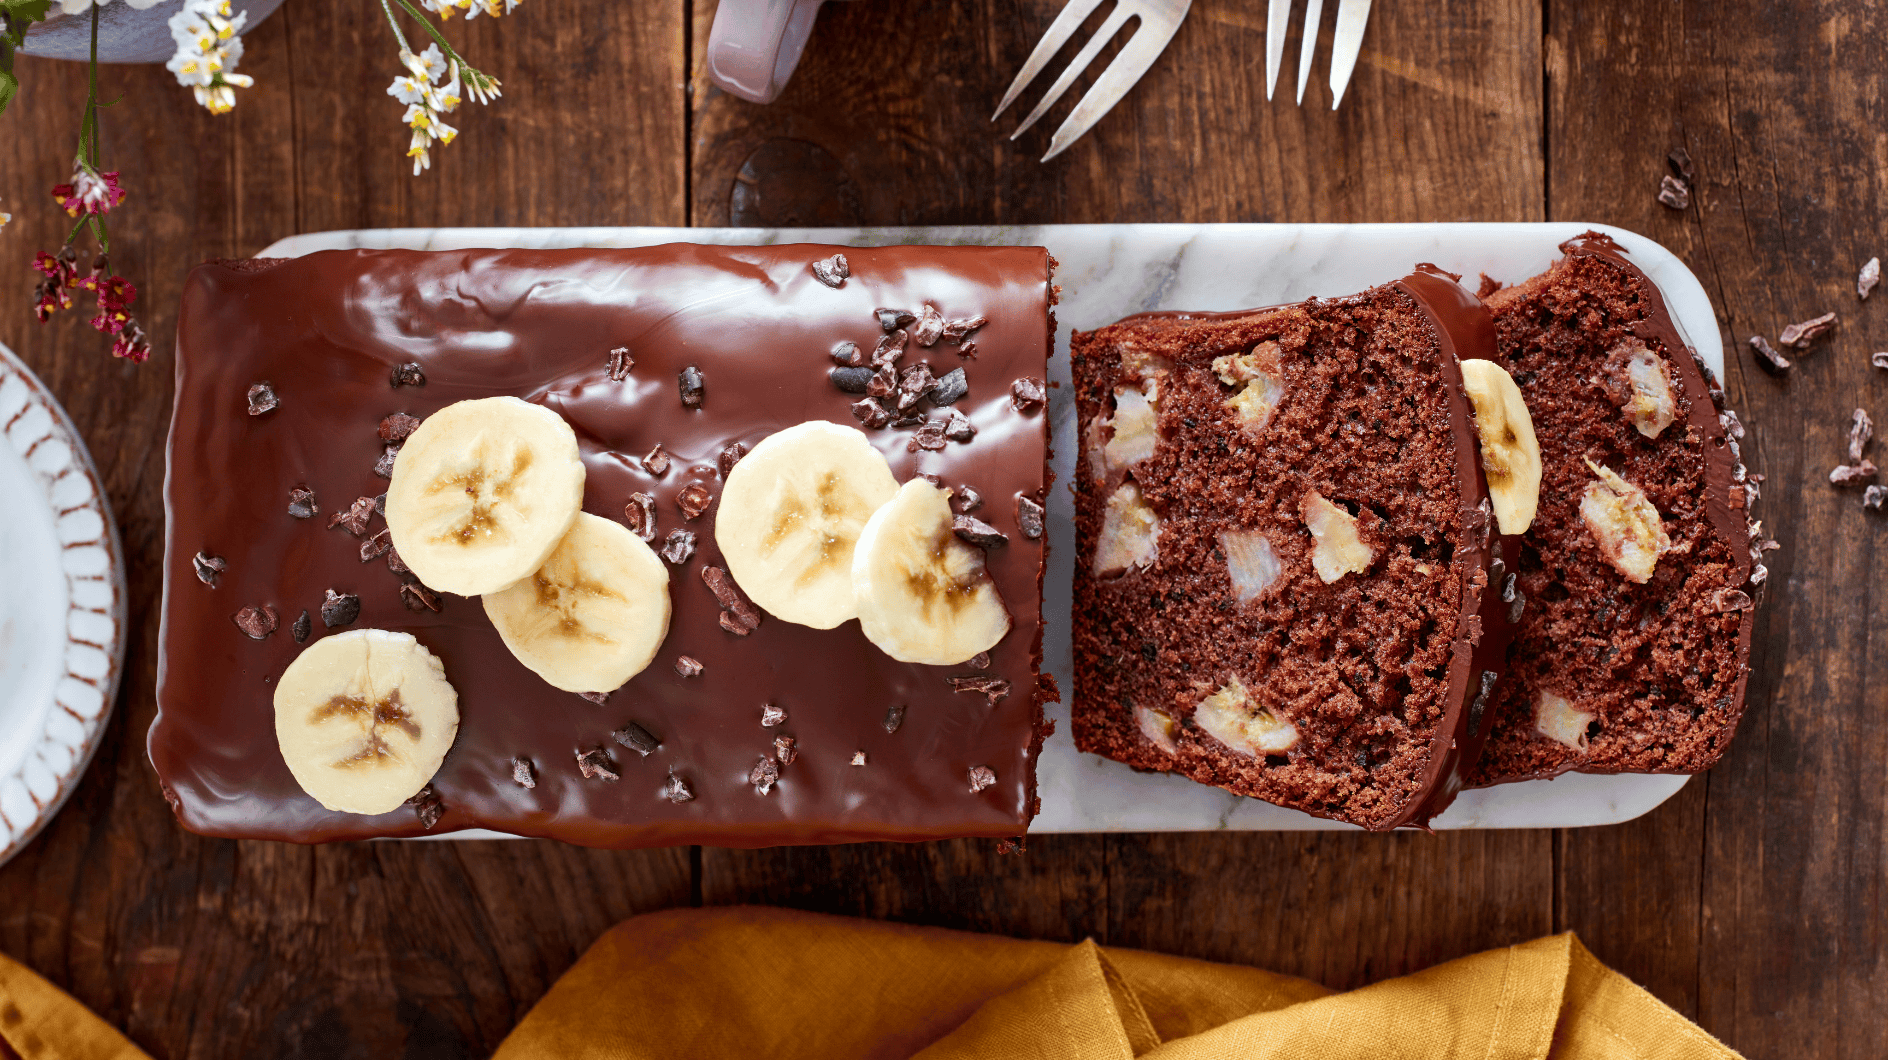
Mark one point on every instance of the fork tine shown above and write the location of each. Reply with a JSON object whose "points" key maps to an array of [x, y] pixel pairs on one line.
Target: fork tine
{"points": [[1277, 20], [1133, 60], [1348, 41], [1308, 48], [1060, 31], [1116, 19]]}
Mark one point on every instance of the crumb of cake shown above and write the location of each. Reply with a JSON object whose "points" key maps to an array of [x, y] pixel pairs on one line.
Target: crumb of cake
{"points": [[1336, 547], [1251, 561], [1866, 280], [1160, 729], [1801, 334], [1624, 523], [1641, 385], [1135, 423], [1556, 718], [1130, 533], [1769, 359], [1230, 716]]}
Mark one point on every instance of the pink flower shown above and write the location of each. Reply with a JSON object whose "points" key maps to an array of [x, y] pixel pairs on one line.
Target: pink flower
{"points": [[89, 193], [131, 344]]}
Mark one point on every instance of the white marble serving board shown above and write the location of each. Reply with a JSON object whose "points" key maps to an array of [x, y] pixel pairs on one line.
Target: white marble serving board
{"points": [[1107, 272]]}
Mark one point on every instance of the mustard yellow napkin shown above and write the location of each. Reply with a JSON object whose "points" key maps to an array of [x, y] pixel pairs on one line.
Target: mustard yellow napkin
{"points": [[39, 1021], [754, 982]]}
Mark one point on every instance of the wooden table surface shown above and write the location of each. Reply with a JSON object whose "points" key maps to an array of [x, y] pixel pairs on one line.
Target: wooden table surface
{"points": [[1751, 902]]}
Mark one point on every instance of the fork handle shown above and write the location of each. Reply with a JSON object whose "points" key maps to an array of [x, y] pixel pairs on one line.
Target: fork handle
{"points": [[755, 44]]}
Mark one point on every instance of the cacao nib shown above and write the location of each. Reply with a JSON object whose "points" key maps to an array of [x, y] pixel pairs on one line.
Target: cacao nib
{"points": [[380, 505], [395, 563], [688, 666], [894, 717], [1873, 496], [720, 584], [1680, 161], [301, 503], [858, 758], [1852, 474], [694, 500], [733, 625], [883, 383], [599, 698], [1029, 517], [677, 789], [890, 320], [640, 514], [848, 355], [679, 545], [377, 546], [384, 466], [208, 567], [354, 519], [1027, 393], [1861, 429], [596, 765], [930, 325], [1866, 280], [912, 385], [956, 328], [889, 349], [832, 271], [764, 775], [256, 622], [262, 399], [949, 389], [398, 427], [731, 455], [996, 689], [930, 437], [958, 428], [966, 499], [968, 351], [979, 661], [340, 609], [408, 374], [978, 532], [980, 778], [301, 628], [1674, 194], [871, 413], [657, 462], [620, 364], [851, 380], [636, 738], [1768, 358], [784, 750], [428, 807], [1801, 334], [771, 716], [522, 773], [418, 597], [692, 386]]}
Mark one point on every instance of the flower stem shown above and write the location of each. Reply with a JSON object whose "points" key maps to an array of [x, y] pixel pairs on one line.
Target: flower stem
{"points": [[395, 23], [89, 126]]}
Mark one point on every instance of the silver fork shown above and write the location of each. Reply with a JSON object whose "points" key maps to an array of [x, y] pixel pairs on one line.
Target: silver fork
{"points": [[1347, 41], [1160, 20]]}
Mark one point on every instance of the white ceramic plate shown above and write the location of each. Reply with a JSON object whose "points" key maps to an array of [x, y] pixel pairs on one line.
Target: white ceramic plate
{"points": [[1107, 272], [62, 606]]}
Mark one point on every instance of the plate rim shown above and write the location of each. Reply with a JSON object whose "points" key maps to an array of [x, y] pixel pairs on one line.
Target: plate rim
{"points": [[64, 430]]}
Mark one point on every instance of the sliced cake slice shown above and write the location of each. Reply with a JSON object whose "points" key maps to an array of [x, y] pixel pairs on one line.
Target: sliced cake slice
{"points": [[1642, 564], [1288, 577]]}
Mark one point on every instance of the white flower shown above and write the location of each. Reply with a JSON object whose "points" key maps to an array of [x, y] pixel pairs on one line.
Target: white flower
{"points": [[209, 45], [74, 7], [4, 218], [408, 89], [427, 65]]}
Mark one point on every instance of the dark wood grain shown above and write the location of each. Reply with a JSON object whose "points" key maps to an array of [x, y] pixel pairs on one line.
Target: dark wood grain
{"points": [[203, 948], [1751, 901]]}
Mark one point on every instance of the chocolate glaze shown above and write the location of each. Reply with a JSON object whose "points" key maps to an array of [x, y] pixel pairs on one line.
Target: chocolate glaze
{"points": [[1464, 329], [1726, 501], [326, 329]]}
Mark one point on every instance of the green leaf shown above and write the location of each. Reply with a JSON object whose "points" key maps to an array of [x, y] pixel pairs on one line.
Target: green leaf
{"points": [[9, 87], [27, 10]]}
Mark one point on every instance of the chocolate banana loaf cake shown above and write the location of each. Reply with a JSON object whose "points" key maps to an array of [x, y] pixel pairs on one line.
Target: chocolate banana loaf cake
{"points": [[1642, 563], [738, 546], [1289, 576]]}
